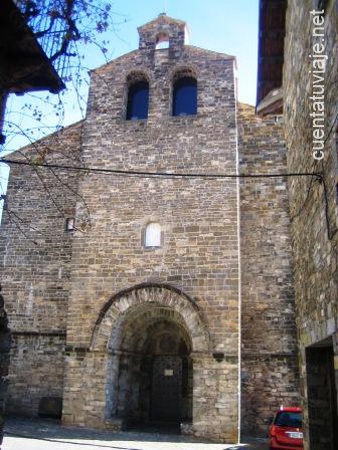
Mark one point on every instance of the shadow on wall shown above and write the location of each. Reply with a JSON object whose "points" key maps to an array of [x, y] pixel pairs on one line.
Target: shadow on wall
{"points": [[5, 346]]}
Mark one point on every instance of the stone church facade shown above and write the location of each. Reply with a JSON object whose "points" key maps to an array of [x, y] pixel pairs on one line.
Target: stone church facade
{"points": [[135, 298]]}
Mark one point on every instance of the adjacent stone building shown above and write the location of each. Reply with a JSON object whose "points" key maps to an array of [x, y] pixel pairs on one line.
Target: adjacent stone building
{"points": [[310, 77], [24, 68], [137, 298]]}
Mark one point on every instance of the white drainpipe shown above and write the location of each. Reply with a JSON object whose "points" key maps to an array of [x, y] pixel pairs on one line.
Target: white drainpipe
{"points": [[239, 391]]}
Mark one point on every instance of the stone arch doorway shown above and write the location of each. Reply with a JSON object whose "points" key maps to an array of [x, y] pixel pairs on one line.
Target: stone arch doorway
{"points": [[166, 389], [150, 333], [153, 377]]}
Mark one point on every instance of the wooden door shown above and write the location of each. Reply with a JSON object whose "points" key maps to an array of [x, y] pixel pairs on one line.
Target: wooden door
{"points": [[166, 389]]}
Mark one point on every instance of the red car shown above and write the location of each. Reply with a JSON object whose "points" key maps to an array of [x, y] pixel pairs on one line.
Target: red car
{"points": [[286, 432]]}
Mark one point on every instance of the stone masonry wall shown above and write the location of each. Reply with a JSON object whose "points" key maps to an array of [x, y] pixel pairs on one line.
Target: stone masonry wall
{"points": [[5, 346], [66, 282], [36, 253], [199, 254], [313, 211], [198, 216], [269, 347], [36, 371]]}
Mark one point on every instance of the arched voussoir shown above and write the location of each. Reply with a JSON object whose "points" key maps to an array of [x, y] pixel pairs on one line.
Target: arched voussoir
{"points": [[149, 298]]}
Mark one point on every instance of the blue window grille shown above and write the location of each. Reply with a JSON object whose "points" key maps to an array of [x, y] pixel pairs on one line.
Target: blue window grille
{"points": [[138, 101], [185, 97]]}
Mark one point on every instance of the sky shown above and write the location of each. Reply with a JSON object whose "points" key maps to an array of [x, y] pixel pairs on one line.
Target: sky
{"points": [[219, 25]]}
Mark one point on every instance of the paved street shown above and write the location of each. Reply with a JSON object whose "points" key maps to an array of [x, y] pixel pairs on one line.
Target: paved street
{"points": [[27, 434]]}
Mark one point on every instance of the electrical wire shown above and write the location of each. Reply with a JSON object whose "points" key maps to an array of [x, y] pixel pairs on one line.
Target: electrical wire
{"points": [[156, 174], [147, 174]]}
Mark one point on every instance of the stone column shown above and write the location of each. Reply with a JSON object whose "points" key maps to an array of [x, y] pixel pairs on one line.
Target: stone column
{"points": [[84, 399], [215, 397]]}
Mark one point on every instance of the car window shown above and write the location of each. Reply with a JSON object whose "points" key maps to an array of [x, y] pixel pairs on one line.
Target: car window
{"points": [[289, 419]]}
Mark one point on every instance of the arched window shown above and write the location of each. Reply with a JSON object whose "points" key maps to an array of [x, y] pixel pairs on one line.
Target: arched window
{"points": [[162, 41], [138, 100], [153, 235], [185, 96]]}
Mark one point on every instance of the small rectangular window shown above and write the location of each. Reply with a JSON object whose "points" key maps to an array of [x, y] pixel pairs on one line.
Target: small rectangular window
{"points": [[153, 235], [70, 224]]}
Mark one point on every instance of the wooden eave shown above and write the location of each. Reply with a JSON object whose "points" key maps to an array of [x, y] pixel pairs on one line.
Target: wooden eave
{"points": [[270, 46], [24, 66]]}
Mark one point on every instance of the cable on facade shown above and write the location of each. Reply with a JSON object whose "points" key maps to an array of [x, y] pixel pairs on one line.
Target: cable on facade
{"points": [[330, 233], [334, 124], [154, 174], [146, 174]]}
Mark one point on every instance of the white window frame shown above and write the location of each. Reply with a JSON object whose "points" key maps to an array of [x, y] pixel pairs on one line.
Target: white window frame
{"points": [[153, 235]]}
